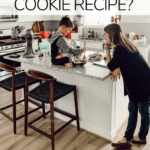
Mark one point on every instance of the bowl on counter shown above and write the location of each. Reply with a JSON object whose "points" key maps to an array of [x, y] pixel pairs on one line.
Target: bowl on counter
{"points": [[79, 62]]}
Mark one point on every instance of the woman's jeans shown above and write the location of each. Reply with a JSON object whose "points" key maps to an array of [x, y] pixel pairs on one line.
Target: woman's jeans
{"points": [[132, 121]]}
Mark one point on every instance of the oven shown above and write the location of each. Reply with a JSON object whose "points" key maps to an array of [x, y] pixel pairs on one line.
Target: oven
{"points": [[9, 46]]}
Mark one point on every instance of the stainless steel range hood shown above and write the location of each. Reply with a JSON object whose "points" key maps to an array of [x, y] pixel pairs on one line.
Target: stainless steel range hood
{"points": [[9, 20], [8, 14]]}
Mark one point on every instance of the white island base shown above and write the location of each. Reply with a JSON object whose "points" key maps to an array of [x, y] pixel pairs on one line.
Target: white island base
{"points": [[101, 111]]}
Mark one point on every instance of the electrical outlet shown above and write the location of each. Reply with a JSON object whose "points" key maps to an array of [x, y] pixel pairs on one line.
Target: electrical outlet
{"points": [[105, 89]]}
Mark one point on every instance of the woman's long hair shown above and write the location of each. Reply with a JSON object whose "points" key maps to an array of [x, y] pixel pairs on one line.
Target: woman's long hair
{"points": [[117, 37]]}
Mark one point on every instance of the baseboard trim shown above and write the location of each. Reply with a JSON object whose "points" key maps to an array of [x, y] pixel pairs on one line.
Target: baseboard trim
{"points": [[94, 129], [120, 128], [91, 133]]}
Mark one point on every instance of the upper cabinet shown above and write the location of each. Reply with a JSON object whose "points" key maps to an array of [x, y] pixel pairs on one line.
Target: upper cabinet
{"points": [[127, 19], [135, 19], [25, 18], [47, 17], [58, 17]]}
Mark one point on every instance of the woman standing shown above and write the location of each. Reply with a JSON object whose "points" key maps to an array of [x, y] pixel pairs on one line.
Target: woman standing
{"points": [[136, 76]]}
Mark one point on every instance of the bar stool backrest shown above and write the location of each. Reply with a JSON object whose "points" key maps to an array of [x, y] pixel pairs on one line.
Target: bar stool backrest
{"points": [[40, 75], [9, 68], [6, 67]]}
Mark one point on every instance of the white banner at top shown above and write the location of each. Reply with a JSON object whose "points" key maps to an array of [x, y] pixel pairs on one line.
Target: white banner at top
{"points": [[78, 7]]}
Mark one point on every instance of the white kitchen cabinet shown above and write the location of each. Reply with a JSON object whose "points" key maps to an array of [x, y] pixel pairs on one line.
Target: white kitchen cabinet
{"points": [[71, 17], [140, 19], [147, 17], [56, 17], [36, 18], [144, 52], [127, 19], [59, 17], [23, 18], [135, 19], [47, 17]]}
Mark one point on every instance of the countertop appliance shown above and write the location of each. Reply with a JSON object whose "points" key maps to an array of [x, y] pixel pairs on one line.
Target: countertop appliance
{"points": [[9, 46], [29, 38]]}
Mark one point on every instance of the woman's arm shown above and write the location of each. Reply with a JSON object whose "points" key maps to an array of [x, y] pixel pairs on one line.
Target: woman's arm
{"points": [[116, 73], [107, 48], [119, 56]]}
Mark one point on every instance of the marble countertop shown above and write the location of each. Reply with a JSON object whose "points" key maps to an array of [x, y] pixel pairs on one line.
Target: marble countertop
{"points": [[88, 70]]}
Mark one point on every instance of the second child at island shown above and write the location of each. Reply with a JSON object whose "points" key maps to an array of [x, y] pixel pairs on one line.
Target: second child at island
{"points": [[61, 52]]}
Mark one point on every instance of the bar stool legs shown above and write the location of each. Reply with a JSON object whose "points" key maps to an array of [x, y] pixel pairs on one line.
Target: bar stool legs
{"points": [[52, 124], [14, 102], [53, 90], [43, 107], [14, 109], [76, 108], [26, 107], [52, 115], [11, 84]]}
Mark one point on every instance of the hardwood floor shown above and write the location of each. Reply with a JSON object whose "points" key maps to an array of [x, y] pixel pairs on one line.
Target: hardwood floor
{"points": [[67, 139]]}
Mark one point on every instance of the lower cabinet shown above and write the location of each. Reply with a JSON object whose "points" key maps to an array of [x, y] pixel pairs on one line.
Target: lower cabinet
{"points": [[23, 18]]}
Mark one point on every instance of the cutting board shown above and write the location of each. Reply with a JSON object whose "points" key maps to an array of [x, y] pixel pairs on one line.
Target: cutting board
{"points": [[38, 26]]}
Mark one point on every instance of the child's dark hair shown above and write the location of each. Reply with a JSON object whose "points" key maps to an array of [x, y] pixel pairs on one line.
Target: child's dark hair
{"points": [[67, 22]]}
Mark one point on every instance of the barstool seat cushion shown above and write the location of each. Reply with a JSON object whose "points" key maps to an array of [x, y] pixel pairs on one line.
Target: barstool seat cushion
{"points": [[19, 82], [42, 92]]}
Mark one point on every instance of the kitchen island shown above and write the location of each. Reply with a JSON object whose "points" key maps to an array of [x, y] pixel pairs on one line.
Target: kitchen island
{"points": [[102, 105]]}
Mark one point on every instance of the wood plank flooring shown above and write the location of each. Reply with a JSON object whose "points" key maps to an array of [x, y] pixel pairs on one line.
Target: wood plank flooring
{"points": [[67, 139]]}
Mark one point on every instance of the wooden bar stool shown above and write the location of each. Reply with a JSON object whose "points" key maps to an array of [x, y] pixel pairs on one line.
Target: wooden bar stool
{"points": [[48, 92], [12, 84]]}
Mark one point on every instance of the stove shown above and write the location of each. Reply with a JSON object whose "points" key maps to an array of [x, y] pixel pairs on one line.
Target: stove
{"points": [[9, 46]]}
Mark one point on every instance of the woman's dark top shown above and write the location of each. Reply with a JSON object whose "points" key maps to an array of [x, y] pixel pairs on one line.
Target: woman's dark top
{"points": [[135, 72]]}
